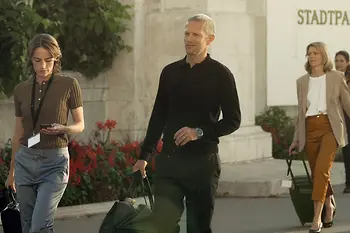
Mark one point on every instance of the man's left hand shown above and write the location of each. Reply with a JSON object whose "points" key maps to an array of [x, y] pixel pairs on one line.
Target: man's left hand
{"points": [[56, 129], [185, 135]]}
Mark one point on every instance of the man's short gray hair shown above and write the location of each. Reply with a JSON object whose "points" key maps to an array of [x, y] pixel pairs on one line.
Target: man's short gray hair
{"points": [[208, 27]]}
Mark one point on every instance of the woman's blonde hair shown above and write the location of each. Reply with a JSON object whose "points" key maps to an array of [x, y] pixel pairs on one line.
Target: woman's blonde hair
{"points": [[322, 48]]}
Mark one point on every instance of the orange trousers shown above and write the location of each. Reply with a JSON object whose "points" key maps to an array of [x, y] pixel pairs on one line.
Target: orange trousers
{"points": [[321, 146]]}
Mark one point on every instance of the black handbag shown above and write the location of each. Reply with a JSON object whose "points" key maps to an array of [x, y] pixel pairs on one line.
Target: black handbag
{"points": [[3, 199], [10, 215]]}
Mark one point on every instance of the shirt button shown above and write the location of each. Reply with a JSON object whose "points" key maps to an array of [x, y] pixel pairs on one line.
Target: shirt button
{"points": [[39, 99], [39, 90]]}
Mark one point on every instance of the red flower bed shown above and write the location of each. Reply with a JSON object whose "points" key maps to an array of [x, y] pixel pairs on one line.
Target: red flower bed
{"points": [[99, 169]]}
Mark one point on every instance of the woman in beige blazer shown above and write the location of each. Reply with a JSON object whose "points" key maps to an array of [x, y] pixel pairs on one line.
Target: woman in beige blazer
{"points": [[320, 128]]}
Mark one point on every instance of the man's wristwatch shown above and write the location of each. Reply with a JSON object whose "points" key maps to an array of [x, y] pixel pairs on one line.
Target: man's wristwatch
{"points": [[199, 132]]}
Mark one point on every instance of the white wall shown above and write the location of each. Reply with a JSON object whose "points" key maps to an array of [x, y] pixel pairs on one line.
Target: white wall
{"points": [[291, 26]]}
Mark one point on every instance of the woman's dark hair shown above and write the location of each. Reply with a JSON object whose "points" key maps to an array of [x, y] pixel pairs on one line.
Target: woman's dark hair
{"points": [[49, 43], [347, 73], [344, 54]]}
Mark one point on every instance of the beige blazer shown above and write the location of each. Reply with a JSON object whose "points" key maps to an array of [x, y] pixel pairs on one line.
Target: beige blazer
{"points": [[337, 99]]}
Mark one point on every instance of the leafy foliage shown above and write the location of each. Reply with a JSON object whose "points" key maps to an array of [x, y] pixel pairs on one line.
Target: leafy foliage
{"points": [[5, 160], [276, 121], [88, 31], [18, 23], [99, 170]]}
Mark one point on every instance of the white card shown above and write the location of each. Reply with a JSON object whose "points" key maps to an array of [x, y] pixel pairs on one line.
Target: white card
{"points": [[34, 140], [286, 183]]}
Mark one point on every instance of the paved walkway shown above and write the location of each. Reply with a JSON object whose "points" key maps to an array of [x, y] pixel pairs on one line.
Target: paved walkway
{"points": [[235, 214], [240, 215], [264, 178]]}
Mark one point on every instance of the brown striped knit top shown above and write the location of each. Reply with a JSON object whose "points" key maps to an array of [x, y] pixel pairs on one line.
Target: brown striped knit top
{"points": [[64, 94]]}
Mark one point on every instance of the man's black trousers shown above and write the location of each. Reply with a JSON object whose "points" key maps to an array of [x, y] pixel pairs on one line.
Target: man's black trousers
{"points": [[193, 178]]}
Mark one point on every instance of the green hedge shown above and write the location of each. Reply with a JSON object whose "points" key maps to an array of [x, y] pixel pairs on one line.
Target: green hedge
{"points": [[89, 33]]}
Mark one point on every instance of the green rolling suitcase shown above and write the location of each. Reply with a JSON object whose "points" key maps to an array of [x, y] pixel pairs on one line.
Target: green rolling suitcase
{"points": [[301, 192]]}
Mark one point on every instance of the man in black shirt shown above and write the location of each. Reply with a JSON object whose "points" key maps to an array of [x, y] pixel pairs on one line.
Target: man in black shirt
{"points": [[191, 94]]}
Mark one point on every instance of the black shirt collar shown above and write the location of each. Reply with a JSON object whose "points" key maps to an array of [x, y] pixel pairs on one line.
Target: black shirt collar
{"points": [[185, 63]]}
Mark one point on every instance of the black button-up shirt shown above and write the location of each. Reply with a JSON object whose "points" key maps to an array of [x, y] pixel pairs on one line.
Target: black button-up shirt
{"points": [[193, 97]]}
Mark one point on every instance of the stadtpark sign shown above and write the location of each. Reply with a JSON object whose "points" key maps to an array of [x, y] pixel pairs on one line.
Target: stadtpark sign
{"points": [[291, 26], [323, 17]]}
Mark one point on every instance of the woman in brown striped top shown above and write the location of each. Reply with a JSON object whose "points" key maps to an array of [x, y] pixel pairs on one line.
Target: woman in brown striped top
{"points": [[40, 159]]}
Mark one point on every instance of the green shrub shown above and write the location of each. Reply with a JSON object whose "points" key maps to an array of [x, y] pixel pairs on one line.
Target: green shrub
{"points": [[5, 159], [276, 121], [18, 25], [100, 169], [88, 31]]}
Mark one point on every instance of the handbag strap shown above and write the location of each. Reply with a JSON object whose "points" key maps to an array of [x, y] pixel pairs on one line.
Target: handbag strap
{"points": [[12, 195], [12, 202]]}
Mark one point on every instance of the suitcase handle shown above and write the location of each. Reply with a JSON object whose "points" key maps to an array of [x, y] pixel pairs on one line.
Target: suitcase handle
{"points": [[289, 160], [145, 186]]}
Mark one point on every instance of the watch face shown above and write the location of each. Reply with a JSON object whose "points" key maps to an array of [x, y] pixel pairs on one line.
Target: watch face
{"points": [[199, 132]]}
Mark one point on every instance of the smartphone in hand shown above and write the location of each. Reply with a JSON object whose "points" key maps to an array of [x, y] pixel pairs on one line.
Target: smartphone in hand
{"points": [[45, 126]]}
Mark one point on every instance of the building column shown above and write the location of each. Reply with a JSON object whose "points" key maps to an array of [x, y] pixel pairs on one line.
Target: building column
{"points": [[234, 46]]}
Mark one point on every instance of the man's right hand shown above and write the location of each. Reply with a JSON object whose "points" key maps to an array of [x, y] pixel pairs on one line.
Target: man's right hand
{"points": [[10, 182], [140, 165]]}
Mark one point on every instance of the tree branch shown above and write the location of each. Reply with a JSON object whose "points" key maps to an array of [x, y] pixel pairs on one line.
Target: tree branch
{"points": [[29, 2]]}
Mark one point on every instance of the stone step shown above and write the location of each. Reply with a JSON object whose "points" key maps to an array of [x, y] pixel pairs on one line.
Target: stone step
{"points": [[265, 178], [260, 178], [248, 143]]}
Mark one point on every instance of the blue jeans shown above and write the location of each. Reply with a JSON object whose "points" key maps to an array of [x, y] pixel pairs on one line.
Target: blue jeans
{"points": [[41, 177]]}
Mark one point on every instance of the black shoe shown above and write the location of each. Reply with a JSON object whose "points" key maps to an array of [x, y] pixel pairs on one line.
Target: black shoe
{"points": [[347, 189], [317, 230], [329, 224]]}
